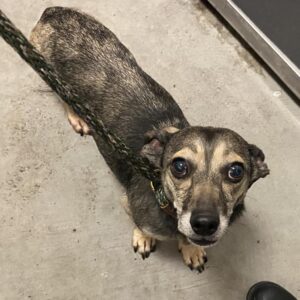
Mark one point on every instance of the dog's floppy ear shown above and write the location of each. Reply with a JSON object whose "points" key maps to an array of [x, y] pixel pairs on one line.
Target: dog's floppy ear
{"points": [[259, 167], [155, 141]]}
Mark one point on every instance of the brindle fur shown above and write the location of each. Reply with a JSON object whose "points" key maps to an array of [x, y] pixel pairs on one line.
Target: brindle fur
{"points": [[140, 111]]}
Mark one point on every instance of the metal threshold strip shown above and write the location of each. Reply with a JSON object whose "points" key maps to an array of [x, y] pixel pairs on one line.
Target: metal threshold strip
{"points": [[272, 29]]}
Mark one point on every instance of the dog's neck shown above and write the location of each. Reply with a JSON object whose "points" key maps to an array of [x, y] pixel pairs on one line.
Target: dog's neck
{"points": [[164, 203]]}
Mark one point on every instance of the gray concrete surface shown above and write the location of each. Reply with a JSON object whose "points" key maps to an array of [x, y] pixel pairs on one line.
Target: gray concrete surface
{"points": [[63, 234]]}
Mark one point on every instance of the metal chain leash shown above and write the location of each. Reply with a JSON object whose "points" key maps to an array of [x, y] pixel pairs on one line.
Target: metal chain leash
{"points": [[27, 51]]}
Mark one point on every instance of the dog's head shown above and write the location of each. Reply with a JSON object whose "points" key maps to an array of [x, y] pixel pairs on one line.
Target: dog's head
{"points": [[206, 172]]}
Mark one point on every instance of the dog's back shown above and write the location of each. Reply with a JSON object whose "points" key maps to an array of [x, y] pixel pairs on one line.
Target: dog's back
{"points": [[105, 75], [85, 53]]}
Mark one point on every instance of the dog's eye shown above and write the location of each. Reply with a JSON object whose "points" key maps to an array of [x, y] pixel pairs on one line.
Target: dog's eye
{"points": [[236, 172], [179, 167]]}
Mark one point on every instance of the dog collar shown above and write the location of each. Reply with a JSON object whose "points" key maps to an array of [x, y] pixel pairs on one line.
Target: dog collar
{"points": [[162, 200]]}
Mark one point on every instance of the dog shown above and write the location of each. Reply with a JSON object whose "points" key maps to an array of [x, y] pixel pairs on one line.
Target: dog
{"points": [[205, 171]]}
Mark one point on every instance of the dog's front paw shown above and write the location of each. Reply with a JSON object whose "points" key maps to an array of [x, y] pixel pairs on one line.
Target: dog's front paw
{"points": [[143, 244], [193, 256]]}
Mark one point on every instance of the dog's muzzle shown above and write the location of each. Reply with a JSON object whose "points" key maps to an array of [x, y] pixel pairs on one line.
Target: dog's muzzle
{"points": [[203, 228]]}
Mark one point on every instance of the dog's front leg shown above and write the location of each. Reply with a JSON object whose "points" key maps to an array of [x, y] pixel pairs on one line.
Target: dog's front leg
{"points": [[142, 243], [194, 256]]}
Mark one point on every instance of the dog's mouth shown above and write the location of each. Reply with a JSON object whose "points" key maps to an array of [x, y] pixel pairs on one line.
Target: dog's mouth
{"points": [[202, 242]]}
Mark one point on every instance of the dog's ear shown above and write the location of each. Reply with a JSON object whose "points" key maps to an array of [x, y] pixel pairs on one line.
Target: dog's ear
{"points": [[155, 141], [259, 167]]}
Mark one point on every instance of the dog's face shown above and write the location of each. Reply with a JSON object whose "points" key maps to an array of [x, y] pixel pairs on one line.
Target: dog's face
{"points": [[206, 172]]}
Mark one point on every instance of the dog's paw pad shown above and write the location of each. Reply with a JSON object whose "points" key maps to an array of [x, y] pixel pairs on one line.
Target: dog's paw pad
{"points": [[143, 244], [193, 256], [78, 124]]}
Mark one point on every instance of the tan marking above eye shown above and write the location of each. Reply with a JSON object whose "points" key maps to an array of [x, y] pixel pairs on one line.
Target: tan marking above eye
{"points": [[185, 152], [223, 155]]}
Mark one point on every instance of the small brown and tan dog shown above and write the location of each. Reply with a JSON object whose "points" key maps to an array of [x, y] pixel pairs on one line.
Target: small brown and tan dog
{"points": [[206, 171]]}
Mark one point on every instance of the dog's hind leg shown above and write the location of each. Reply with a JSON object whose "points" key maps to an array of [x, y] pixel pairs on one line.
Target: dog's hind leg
{"points": [[40, 37], [76, 122], [142, 243]]}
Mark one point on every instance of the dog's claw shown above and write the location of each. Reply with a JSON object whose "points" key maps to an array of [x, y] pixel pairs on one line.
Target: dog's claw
{"points": [[201, 268], [153, 248], [143, 244]]}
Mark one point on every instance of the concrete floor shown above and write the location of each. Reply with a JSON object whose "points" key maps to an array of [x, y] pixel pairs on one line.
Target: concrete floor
{"points": [[63, 234]]}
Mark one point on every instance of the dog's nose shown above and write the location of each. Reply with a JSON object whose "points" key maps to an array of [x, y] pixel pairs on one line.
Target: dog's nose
{"points": [[204, 223]]}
